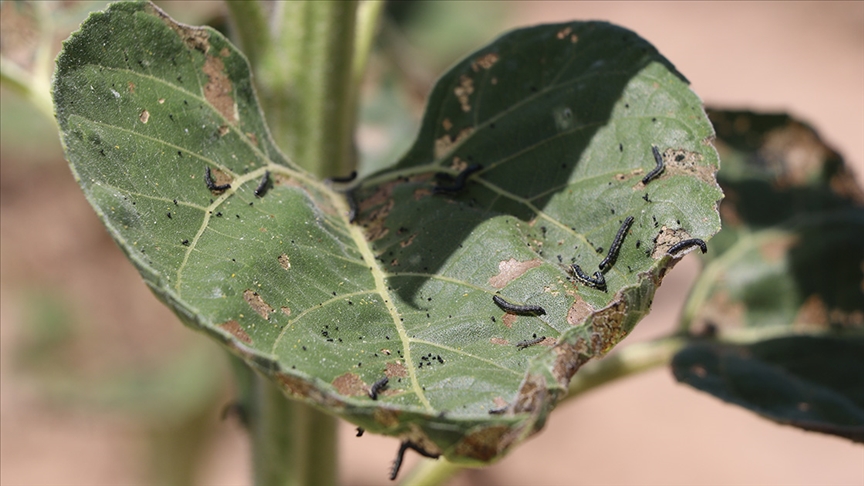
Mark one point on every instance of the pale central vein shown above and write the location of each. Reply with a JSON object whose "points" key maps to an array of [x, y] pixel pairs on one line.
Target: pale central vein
{"points": [[381, 288]]}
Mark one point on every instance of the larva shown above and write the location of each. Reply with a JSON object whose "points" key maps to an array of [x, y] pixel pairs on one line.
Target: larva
{"points": [[459, 184], [598, 282], [498, 411], [657, 170], [344, 179], [262, 186], [352, 206], [677, 247], [397, 464], [519, 310], [378, 387], [208, 179], [530, 342], [616, 244]]}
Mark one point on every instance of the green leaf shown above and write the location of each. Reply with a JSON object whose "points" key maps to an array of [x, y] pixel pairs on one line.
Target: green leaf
{"points": [[787, 263], [806, 381], [562, 118]]}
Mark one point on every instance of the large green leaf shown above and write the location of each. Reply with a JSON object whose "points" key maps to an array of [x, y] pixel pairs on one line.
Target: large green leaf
{"points": [[807, 381], [562, 118], [787, 266]]}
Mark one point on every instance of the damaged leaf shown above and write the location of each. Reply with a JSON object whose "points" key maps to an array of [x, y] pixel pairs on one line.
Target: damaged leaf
{"points": [[530, 156], [788, 262]]}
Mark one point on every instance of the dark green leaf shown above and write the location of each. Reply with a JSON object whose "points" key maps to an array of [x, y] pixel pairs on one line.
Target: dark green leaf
{"points": [[814, 383], [562, 118], [787, 263]]}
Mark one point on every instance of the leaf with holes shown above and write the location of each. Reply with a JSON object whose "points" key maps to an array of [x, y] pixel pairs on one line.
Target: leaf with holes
{"points": [[530, 158], [782, 291]]}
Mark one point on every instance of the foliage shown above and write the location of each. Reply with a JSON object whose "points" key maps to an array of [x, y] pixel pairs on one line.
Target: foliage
{"points": [[328, 287]]}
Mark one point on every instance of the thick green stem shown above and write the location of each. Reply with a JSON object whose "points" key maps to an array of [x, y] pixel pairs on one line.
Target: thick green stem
{"points": [[33, 89], [304, 77], [292, 443], [249, 21]]}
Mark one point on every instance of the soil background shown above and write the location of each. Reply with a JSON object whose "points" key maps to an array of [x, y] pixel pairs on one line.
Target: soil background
{"points": [[806, 59]]}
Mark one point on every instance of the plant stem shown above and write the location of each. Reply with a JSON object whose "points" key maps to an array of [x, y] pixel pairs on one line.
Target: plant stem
{"points": [[36, 91], [630, 360], [432, 472], [304, 77], [368, 15], [292, 443], [249, 21]]}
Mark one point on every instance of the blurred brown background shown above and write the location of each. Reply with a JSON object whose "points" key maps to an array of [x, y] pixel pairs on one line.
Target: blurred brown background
{"points": [[90, 362]]}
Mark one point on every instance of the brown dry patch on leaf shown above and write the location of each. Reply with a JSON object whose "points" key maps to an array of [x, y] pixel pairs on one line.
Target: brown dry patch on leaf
{"points": [[548, 342], [349, 384], [578, 312], [445, 142], [408, 241], [285, 310], [194, 37], [532, 394], [812, 313], [622, 176], [257, 303], [720, 310], [381, 212], [375, 228], [463, 92], [510, 270], [294, 385], [381, 195], [301, 388], [386, 417], [284, 261], [236, 330], [797, 154], [395, 370], [447, 124], [776, 249], [144, 116], [563, 33], [509, 319], [680, 161], [130, 86], [485, 61], [458, 164], [223, 130], [219, 91], [422, 192], [484, 444], [666, 239], [219, 177], [606, 326], [253, 139], [570, 357], [500, 342]]}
